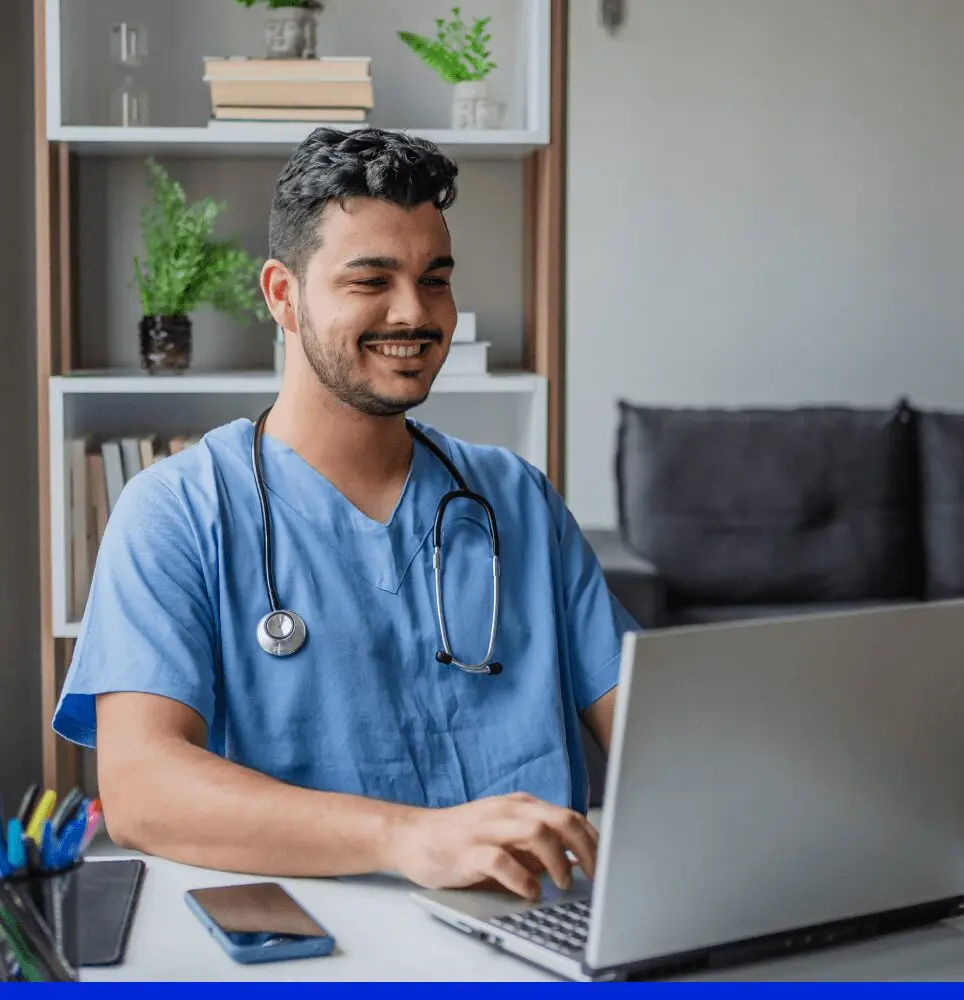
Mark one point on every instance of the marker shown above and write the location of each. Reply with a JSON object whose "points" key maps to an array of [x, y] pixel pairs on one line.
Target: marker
{"points": [[70, 803], [68, 848], [40, 815], [48, 850], [16, 855], [27, 804], [94, 815]]}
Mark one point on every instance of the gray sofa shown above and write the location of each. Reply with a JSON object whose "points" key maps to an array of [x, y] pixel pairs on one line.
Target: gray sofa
{"points": [[737, 513]]}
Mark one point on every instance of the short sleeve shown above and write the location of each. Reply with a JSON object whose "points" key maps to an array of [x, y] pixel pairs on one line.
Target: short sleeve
{"points": [[148, 626], [596, 620]]}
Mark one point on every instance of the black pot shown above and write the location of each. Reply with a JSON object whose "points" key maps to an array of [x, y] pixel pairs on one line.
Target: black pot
{"points": [[165, 343]]}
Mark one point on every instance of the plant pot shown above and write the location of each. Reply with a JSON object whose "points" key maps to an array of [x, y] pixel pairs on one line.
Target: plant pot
{"points": [[474, 107], [292, 33], [165, 344]]}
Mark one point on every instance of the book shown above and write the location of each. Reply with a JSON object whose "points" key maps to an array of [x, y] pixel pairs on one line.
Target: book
{"points": [[97, 488], [325, 68], [291, 114], [113, 472], [467, 359], [80, 517], [130, 457], [292, 94]]}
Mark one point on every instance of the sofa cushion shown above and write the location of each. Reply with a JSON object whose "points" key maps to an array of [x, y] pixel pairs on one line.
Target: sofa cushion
{"points": [[769, 506], [942, 502]]}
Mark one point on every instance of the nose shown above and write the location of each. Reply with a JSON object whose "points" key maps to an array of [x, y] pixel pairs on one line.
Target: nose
{"points": [[408, 306]]}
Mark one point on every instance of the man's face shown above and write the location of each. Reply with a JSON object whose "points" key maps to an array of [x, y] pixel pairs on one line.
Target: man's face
{"points": [[375, 306]]}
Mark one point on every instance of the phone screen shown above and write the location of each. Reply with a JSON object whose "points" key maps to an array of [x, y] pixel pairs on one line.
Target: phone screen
{"points": [[259, 914]]}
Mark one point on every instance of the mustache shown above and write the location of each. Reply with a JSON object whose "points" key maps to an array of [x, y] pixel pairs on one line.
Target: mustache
{"points": [[401, 337]]}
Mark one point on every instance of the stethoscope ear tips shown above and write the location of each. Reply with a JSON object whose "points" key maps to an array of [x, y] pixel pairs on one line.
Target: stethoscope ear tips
{"points": [[495, 669], [443, 657]]}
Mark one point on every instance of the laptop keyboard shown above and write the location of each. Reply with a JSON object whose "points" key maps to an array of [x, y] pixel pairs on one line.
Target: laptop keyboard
{"points": [[561, 927]]}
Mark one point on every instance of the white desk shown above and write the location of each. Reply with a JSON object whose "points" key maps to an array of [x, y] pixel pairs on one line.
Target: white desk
{"points": [[383, 935]]}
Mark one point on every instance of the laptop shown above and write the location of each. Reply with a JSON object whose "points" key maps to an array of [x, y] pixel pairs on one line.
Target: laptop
{"points": [[774, 786]]}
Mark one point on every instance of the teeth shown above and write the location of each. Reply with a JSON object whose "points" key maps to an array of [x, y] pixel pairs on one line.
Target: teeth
{"points": [[397, 350]]}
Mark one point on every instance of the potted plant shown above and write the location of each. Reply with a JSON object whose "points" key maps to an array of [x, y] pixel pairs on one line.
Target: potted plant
{"points": [[290, 28], [459, 54], [184, 267]]}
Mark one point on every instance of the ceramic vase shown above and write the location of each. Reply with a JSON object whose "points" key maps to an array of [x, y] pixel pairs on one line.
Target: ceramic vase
{"points": [[473, 106], [165, 344]]}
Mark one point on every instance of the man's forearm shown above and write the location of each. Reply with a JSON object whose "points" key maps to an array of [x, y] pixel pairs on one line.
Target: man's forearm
{"points": [[190, 805]]}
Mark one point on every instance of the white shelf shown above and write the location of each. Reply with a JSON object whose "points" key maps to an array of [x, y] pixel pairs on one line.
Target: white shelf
{"points": [[252, 139], [266, 383], [110, 402]]}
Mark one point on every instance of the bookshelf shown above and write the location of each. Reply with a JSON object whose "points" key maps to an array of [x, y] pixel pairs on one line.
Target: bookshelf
{"points": [[507, 229]]}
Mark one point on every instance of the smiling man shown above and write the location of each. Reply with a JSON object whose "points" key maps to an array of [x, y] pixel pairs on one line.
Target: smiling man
{"points": [[362, 747]]}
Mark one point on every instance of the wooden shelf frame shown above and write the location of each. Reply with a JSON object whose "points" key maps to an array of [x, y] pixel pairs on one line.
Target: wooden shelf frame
{"points": [[56, 148]]}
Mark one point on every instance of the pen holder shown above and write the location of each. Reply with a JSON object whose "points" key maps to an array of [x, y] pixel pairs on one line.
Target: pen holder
{"points": [[39, 932]]}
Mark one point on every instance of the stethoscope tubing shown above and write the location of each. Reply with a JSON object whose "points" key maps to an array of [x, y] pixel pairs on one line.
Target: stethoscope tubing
{"points": [[295, 636]]}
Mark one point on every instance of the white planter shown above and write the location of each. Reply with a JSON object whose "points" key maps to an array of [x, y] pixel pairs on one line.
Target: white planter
{"points": [[473, 106]]}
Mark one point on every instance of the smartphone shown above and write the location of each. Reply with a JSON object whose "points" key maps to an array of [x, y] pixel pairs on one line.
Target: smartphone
{"points": [[259, 922]]}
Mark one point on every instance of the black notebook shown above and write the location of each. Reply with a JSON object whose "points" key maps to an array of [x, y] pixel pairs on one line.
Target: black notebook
{"points": [[108, 894]]}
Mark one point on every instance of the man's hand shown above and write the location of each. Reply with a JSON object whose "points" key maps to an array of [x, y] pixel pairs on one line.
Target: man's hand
{"points": [[504, 839]]}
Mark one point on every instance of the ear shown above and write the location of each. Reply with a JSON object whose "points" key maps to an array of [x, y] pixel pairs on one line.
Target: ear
{"points": [[280, 289]]}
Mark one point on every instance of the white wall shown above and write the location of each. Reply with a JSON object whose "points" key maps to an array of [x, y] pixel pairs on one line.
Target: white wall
{"points": [[766, 205], [19, 610]]}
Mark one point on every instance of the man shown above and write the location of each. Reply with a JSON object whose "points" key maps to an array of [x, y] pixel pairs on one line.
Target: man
{"points": [[361, 751]]}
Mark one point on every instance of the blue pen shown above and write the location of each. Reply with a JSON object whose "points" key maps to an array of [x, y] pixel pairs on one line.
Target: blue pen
{"points": [[5, 869], [48, 851], [16, 853], [69, 843]]}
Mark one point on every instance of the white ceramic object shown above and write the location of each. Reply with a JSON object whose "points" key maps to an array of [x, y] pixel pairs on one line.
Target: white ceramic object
{"points": [[473, 106], [279, 351]]}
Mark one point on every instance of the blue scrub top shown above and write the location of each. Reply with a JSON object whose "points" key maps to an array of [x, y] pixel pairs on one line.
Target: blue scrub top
{"points": [[363, 707]]}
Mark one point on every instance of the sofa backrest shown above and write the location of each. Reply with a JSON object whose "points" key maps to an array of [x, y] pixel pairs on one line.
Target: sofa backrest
{"points": [[942, 502], [773, 505]]}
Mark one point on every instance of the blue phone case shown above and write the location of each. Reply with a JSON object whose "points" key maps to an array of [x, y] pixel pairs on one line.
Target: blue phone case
{"points": [[254, 953]]}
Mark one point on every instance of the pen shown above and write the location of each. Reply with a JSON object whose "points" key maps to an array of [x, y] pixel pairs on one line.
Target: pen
{"points": [[68, 847], [68, 806], [40, 815], [27, 804], [48, 850], [16, 856], [94, 814]]}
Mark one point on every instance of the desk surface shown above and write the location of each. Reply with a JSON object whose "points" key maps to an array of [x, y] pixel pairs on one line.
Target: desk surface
{"points": [[383, 935]]}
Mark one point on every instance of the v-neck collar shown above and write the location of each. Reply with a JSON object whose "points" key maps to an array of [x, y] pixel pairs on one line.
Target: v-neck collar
{"points": [[379, 552]]}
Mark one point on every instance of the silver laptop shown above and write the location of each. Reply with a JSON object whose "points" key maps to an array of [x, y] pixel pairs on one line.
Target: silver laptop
{"points": [[774, 786]]}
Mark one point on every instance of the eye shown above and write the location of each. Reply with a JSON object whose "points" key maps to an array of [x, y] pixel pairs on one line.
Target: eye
{"points": [[371, 282], [436, 282]]}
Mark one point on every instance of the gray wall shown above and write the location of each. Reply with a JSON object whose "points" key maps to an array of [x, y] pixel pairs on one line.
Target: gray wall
{"points": [[19, 609], [766, 205], [487, 244]]}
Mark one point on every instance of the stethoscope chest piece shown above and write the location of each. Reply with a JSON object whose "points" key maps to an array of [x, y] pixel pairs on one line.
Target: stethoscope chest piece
{"points": [[281, 633]]}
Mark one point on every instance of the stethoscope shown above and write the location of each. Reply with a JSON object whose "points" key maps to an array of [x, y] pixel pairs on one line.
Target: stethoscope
{"points": [[282, 632]]}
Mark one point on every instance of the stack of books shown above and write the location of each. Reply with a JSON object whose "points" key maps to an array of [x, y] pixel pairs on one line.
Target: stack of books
{"points": [[467, 355], [304, 90], [96, 474]]}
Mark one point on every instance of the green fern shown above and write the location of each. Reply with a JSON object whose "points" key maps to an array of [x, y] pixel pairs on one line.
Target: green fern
{"points": [[184, 266], [458, 53]]}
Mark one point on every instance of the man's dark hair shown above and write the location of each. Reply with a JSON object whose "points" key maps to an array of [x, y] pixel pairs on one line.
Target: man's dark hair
{"points": [[332, 165]]}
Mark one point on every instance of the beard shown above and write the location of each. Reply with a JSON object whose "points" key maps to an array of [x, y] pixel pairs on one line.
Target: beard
{"points": [[336, 372]]}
